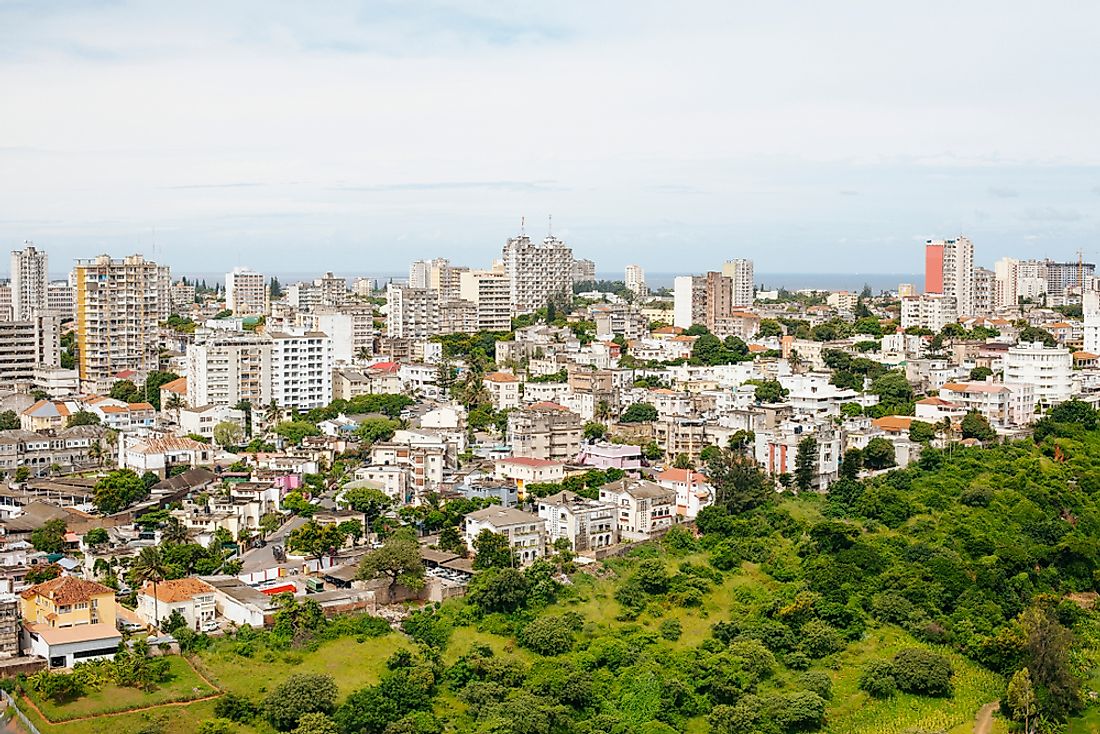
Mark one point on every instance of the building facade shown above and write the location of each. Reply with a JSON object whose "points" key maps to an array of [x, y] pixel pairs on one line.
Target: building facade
{"points": [[537, 272], [29, 282], [246, 292]]}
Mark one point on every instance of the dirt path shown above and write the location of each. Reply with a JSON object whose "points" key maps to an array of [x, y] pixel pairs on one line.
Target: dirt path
{"points": [[983, 722]]}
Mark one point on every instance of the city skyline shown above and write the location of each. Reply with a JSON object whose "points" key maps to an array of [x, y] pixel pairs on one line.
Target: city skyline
{"points": [[716, 132]]}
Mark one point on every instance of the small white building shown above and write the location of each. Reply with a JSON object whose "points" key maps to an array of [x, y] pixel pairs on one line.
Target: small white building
{"points": [[64, 647], [525, 470], [503, 389], [526, 533], [644, 507], [693, 490], [586, 524], [158, 455], [192, 598]]}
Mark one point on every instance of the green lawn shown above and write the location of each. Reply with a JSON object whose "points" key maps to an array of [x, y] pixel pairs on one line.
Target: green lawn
{"points": [[352, 664], [184, 684]]}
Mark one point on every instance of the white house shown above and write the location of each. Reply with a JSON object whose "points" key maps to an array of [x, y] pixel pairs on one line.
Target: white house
{"points": [[693, 490], [644, 507], [586, 524], [503, 389], [526, 470], [192, 598], [158, 455], [526, 533]]}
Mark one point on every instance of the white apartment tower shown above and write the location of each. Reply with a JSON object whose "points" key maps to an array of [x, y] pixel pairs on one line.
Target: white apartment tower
{"points": [[420, 313], [301, 369], [740, 271], [949, 271], [584, 271], [227, 368], [29, 282], [537, 271], [246, 292], [635, 280], [1090, 302], [119, 307], [489, 292], [1048, 369], [420, 273]]}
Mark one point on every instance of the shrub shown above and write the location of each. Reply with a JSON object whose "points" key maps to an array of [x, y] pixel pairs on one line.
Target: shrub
{"points": [[922, 672], [215, 726], [301, 693], [671, 629], [817, 681], [877, 679], [235, 708], [547, 636]]}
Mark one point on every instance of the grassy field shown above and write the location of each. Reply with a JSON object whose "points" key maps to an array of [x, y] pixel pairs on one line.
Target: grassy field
{"points": [[183, 684]]}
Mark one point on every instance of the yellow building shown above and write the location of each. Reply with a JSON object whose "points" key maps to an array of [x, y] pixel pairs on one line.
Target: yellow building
{"points": [[67, 601]]}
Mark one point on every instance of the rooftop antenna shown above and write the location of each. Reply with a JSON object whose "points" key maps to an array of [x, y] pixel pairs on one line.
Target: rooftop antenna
{"points": [[550, 225], [522, 226]]}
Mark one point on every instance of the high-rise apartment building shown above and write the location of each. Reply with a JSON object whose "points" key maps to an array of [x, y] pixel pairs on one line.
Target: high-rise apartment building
{"points": [[584, 271], [29, 282], [420, 313], [740, 272], [444, 277], [420, 273], [488, 290], [635, 280], [1018, 280], [985, 291], [301, 369], [119, 305], [246, 292], [1048, 369], [334, 290], [1090, 305], [27, 345], [537, 272], [1062, 276], [183, 297], [226, 368], [707, 300], [362, 287], [949, 271]]}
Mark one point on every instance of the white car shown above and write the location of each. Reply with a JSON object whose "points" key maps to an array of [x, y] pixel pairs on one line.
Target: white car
{"points": [[209, 626]]}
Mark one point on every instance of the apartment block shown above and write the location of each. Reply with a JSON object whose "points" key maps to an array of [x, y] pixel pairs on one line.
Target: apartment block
{"points": [[740, 272], [119, 306], [537, 272], [246, 292], [29, 282], [545, 431], [949, 271], [29, 344], [301, 369], [224, 369], [586, 524], [419, 313], [930, 311], [1048, 370], [1001, 404], [526, 532], [490, 292], [584, 271], [635, 280]]}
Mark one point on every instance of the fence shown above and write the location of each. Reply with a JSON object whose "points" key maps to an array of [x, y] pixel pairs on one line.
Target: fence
{"points": [[9, 701]]}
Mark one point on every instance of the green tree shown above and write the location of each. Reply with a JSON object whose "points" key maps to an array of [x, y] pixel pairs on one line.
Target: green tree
{"points": [[978, 374], [499, 590], [921, 432], [547, 635], [153, 383], [369, 501], [300, 694], [769, 391], [316, 723], [398, 560], [228, 433], [295, 431], [922, 672], [150, 566], [451, 540], [975, 425], [879, 454], [893, 389], [1020, 698], [96, 536], [1035, 334], [83, 418], [373, 430], [594, 431], [851, 464], [314, 540], [50, 538], [126, 391], [118, 490], [805, 463], [492, 550], [739, 483], [639, 413], [1077, 412], [8, 420]]}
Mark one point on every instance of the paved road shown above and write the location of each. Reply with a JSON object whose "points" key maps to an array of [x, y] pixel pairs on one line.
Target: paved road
{"points": [[259, 559]]}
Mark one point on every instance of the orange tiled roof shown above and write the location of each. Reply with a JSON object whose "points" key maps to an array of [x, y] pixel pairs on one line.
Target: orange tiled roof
{"points": [[178, 589], [65, 590]]}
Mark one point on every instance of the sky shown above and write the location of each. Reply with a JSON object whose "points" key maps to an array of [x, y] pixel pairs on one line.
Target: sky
{"points": [[357, 136]]}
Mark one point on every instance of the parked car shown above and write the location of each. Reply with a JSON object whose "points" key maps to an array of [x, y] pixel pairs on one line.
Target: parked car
{"points": [[209, 626], [127, 626]]}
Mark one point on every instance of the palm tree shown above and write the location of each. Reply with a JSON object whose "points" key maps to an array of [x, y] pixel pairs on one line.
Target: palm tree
{"points": [[150, 566], [272, 414], [175, 532], [175, 404]]}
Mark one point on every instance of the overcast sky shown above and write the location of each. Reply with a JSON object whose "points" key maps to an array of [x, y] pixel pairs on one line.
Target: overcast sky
{"points": [[355, 136]]}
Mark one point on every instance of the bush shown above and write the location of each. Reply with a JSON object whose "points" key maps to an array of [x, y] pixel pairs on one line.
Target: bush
{"points": [[547, 636], [817, 681], [877, 679], [923, 672], [301, 693], [235, 708], [215, 726], [671, 629]]}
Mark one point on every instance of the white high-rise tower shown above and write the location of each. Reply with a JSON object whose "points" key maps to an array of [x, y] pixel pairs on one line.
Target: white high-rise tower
{"points": [[29, 282]]}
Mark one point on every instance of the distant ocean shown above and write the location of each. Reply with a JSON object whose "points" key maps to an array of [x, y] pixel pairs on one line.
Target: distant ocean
{"points": [[767, 281]]}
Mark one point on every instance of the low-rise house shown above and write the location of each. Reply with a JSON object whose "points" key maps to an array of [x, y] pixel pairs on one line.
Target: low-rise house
{"points": [[586, 524], [191, 597], [524, 471], [526, 533], [644, 508], [161, 454], [693, 490], [1001, 404], [68, 620], [610, 456]]}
